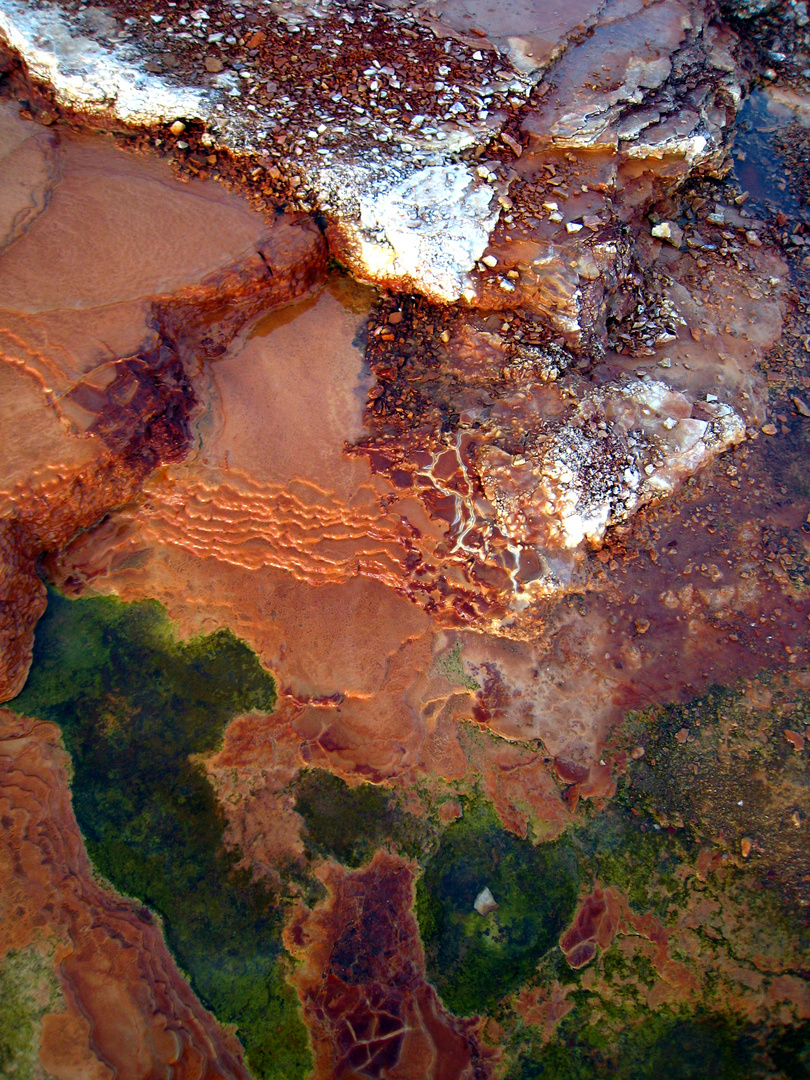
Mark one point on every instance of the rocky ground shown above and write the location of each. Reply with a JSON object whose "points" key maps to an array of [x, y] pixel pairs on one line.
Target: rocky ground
{"points": [[441, 371]]}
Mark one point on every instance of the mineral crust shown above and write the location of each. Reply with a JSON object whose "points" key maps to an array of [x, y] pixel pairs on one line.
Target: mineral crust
{"points": [[439, 353]]}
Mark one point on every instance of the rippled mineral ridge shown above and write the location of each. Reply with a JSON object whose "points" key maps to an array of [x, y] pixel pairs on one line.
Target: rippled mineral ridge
{"points": [[405, 539]]}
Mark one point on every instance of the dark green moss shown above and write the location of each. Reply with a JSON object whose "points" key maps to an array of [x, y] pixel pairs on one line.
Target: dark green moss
{"points": [[633, 854], [476, 960], [351, 823], [790, 1052], [690, 1047], [134, 704]]}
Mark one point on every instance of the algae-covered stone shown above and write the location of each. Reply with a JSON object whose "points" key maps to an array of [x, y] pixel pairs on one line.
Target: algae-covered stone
{"points": [[475, 961]]}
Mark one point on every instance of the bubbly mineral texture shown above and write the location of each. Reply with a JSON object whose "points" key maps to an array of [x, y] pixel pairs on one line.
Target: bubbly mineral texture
{"points": [[404, 539]]}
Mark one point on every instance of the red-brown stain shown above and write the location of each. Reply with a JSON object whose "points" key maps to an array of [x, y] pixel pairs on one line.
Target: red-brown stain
{"points": [[370, 1011], [130, 1013]]}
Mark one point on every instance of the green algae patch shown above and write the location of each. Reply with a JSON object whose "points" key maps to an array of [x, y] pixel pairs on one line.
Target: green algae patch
{"points": [[475, 959], [452, 667], [713, 771], [350, 823], [634, 854], [28, 990], [134, 705], [689, 1047], [720, 770]]}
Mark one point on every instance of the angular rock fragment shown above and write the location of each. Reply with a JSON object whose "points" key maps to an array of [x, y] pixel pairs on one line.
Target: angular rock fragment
{"points": [[408, 228], [485, 902], [669, 231]]}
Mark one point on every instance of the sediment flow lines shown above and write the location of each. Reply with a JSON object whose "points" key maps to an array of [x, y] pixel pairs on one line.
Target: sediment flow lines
{"points": [[301, 528]]}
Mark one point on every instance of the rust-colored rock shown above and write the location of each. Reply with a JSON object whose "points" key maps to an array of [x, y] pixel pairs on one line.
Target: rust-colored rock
{"points": [[595, 924], [362, 984], [97, 347], [127, 1012]]}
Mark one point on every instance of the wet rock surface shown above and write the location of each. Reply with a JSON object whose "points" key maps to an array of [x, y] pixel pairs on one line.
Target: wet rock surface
{"points": [[94, 326], [122, 1007], [452, 357], [362, 983]]}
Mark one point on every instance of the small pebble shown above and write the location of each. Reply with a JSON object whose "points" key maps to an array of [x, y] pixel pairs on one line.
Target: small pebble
{"points": [[796, 740], [669, 231], [485, 902]]}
